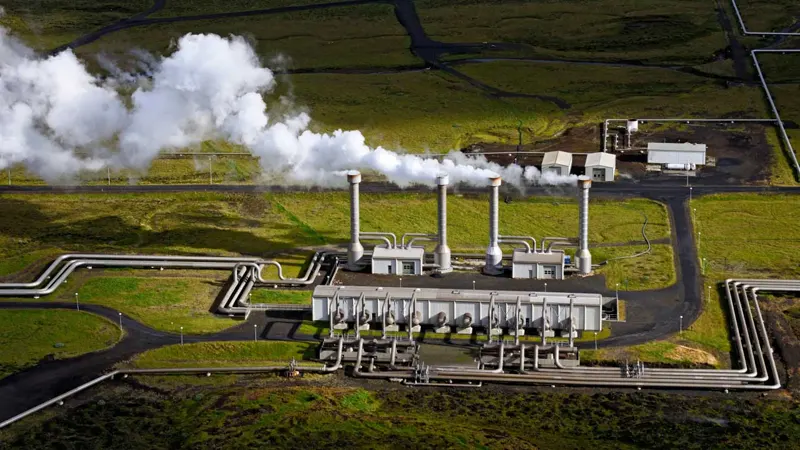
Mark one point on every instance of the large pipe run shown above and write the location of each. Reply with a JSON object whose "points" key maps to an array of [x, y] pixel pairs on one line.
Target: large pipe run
{"points": [[441, 253], [355, 251], [494, 256], [584, 257]]}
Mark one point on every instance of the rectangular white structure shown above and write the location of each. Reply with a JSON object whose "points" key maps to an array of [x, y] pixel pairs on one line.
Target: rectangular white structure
{"points": [[538, 266], [553, 307], [601, 166], [397, 261], [558, 162], [671, 153]]}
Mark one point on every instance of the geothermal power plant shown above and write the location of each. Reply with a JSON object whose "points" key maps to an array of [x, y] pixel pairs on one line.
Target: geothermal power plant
{"points": [[374, 323]]}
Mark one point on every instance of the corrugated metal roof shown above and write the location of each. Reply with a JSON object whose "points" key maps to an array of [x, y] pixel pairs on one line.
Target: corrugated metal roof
{"points": [[675, 147], [554, 257], [558, 158], [381, 252], [601, 159]]}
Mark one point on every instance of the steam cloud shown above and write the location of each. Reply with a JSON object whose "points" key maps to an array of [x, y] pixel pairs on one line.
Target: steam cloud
{"points": [[57, 119]]}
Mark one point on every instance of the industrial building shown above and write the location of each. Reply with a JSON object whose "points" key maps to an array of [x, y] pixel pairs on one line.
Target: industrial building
{"points": [[601, 166], [676, 156], [559, 163], [397, 261], [460, 309], [538, 266]]}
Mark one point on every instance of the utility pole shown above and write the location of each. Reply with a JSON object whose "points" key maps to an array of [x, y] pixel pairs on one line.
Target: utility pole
{"points": [[120, 321], [210, 171], [255, 333], [680, 326], [182, 334], [595, 340], [77, 304], [108, 174], [9, 175]]}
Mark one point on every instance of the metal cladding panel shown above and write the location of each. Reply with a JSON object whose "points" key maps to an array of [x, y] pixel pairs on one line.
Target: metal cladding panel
{"points": [[372, 306], [592, 320], [676, 157], [382, 266], [436, 307], [464, 308], [319, 308]]}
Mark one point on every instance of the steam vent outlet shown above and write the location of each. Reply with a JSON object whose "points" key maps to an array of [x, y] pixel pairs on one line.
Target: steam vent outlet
{"points": [[494, 256], [355, 251]]}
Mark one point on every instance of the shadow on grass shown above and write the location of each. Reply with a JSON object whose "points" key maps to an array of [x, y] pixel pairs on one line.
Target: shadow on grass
{"points": [[27, 222]]}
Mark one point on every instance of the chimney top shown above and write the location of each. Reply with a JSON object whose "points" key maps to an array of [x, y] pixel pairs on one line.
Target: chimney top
{"points": [[584, 182], [443, 179], [353, 176], [495, 180]]}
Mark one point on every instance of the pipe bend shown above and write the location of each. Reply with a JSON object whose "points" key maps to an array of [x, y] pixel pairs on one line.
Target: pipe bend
{"points": [[515, 241]]}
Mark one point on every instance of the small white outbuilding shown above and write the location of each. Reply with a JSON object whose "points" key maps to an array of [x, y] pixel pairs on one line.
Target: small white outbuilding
{"points": [[559, 163], [397, 261], [538, 266], [601, 166]]}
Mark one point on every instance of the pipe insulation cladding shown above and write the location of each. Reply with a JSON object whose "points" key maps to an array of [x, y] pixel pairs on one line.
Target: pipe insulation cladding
{"points": [[494, 256], [355, 251], [441, 253], [584, 257]]}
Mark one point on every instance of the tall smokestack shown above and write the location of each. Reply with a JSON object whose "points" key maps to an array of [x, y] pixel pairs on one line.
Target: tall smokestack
{"points": [[584, 257], [355, 251], [494, 256], [441, 254]]}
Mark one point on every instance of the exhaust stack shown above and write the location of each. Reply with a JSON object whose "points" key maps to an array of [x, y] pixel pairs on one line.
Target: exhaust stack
{"points": [[355, 251], [441, 253], [494, 256], [584, 257]]}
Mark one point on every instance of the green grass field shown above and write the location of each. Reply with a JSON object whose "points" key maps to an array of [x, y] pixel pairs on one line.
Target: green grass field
{"points": [[224, 354], [273, 224], [355, 36], [46, 24], [28, 336], [175, 8], [660, 352], [767, 15], [654, 270], [741, 236], [162, 303], [281, 296], [654, 30]]}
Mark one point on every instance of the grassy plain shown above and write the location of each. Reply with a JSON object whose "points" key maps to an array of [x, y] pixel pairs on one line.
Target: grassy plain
{"points": [[162, 303], [663, 31], [742, 236], [353, 36], [46, 24], [226, 224], [28, 336], [175, 8], [224, 354], [654, 270], [310, 415], [767, 15], [281, 296]]}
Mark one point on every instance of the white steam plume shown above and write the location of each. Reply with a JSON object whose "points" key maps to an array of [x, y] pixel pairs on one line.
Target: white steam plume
{"points": [[57, 119]]}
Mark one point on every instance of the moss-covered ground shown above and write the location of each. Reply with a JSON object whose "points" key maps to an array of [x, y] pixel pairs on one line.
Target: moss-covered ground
{"points": [[322, 414]]}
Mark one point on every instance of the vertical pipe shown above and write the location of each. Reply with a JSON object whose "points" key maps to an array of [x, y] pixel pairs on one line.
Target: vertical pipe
{"points": [[494, 256], [442, 252], [584, 257], [355, 251], [571, 306], [544, 322]]}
